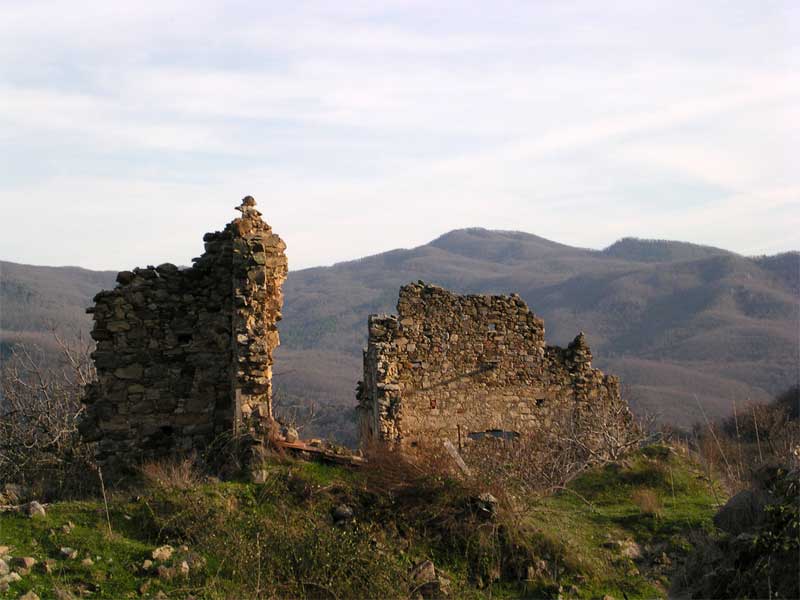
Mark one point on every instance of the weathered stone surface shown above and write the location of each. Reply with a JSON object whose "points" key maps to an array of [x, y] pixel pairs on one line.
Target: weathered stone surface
{"points": [[341, 513], [163, 553], [185, 355], [486, 504], [165, 573], [35, 510], [25, 562], [742, 512], [459, 368], [428, 582]]}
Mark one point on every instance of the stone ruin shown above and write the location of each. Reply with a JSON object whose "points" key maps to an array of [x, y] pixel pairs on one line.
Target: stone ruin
{"points": [[184, 356], [451, 368]]}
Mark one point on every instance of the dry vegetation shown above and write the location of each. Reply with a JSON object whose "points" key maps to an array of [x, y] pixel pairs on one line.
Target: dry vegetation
{"points": [[40, 409], [755, 435]]}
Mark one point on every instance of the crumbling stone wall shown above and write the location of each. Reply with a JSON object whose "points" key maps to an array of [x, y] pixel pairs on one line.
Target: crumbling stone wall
{"points": [[184, 355], [451, 367]]}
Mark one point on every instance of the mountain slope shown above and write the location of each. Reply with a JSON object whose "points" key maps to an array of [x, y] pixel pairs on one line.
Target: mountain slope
{"points": [[34, 300], [684, 325], [677, 321]]}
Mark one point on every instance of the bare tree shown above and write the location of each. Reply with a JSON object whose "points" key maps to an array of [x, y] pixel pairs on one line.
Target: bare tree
{"points": [[548, 458], [40, 407]]}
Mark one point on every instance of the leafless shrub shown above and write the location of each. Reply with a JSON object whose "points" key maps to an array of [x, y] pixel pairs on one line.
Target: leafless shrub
{"points": [[391, 472], [547, 459], [40, 407], [754, 435], [296, 415]]}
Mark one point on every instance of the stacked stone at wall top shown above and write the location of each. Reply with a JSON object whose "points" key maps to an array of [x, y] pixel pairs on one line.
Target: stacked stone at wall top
{"points": [[185, 355], [449, 366]]}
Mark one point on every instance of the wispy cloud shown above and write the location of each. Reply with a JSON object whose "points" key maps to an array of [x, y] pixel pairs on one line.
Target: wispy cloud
{"points": [[363, 126]]}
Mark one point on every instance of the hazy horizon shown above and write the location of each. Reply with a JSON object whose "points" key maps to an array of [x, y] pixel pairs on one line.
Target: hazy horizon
{"points": [[131, 130]]}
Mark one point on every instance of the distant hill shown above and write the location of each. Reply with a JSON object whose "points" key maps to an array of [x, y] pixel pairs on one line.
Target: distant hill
{"points": [[660, 250], [34, 300], [682, 324]]}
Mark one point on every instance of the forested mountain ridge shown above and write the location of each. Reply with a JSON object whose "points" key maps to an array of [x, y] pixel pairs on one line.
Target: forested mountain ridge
{"points": [[682, 324]]}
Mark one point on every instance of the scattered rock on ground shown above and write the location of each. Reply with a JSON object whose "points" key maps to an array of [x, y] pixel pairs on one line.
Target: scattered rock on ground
{"points": [[184, 568], [165, 573], [69, 553], [4, 550], [147, 565], [87, 562], [342, 513], [630, 549], [487, 504], [423, 572], [427, 582], [25, 562], [35, 510], [627, 548], [3, 567], [29, 596], [742, 512], [163, 553]]}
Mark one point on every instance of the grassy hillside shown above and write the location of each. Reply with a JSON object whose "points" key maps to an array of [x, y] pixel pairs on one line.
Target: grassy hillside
{"points": [[681, 323], [621, 530]]}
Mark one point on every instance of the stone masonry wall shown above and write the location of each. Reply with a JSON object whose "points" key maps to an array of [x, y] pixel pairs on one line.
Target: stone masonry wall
{"points": [[451, 367], [184, 355]]}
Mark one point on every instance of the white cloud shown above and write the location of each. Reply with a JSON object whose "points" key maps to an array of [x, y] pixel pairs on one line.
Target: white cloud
{"points": [[365, 126]]}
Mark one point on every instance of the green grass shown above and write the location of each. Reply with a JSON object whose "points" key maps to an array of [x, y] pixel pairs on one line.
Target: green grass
{"points": [[278, 539], [598, 507], [116, 556]]}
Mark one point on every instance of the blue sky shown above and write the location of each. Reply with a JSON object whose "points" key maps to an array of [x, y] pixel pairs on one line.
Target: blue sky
{"points": [[127, 130]]}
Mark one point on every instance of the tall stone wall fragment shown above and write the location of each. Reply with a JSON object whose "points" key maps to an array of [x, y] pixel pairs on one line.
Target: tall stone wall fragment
{"points": [[185, 355]]}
